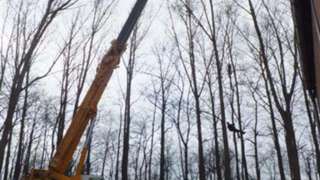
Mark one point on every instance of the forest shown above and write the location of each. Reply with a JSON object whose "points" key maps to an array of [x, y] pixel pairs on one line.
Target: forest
{"points": [[206, 90]]}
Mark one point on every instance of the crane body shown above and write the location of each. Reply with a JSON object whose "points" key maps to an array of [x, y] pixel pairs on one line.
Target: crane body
{"points": [[88, 108]]}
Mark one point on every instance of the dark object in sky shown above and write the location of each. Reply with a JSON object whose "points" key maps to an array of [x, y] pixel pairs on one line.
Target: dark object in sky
{"points": [[232, 128], [229, 69]]}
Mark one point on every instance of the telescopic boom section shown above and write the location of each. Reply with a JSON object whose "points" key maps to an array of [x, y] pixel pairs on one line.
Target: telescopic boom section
{"points": [[88, 107], [131, 21]]}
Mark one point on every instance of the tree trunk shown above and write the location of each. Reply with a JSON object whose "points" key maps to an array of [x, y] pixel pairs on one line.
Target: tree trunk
{"points": [[256, 152], [29, 148], [118, 149], [233, 122], [242, 143], [18, 164], [162, 135], [274, 131], [127, 113], [152, 136], [106, 150], [215, 131], [6, 168], [292, 150], [201, 166]]}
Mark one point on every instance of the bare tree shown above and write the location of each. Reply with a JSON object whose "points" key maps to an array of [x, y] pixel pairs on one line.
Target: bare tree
{"points": [[23, 64], [184, 135], [191, 30], [287, 92]]}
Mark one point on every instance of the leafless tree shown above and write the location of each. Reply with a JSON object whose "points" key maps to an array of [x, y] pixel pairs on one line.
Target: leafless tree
{"points": [[284, 104], [23, 60]]}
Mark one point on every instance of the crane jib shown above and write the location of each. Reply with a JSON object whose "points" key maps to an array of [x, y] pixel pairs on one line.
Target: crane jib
{"points": [[131, 21]]}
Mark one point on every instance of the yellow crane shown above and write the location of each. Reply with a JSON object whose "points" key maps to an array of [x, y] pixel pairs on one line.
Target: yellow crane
{"points": [[88, 108]]}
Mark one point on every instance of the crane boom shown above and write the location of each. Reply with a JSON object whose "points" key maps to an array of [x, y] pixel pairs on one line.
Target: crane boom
{"points": [[87, 109], [131, 21]]}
